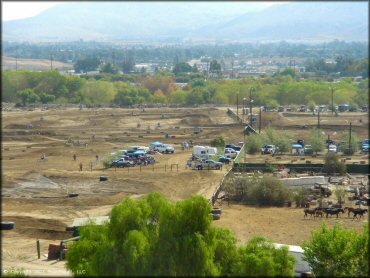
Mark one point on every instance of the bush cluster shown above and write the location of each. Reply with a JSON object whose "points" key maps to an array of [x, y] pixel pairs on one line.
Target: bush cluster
{"points": [[267, 191]]}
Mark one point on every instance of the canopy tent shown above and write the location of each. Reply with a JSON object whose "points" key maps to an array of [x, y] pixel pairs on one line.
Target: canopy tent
{"points": [[297, 146]]}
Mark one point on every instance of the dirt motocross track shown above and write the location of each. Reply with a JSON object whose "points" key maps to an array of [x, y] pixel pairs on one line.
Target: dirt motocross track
{"points": [[34, 192]]}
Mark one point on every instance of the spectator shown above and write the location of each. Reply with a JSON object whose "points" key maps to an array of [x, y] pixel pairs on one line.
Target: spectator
{"points": [[80, 166], [74, 157]]}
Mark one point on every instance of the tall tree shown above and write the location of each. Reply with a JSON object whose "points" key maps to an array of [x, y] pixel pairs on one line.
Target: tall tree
{"points": [[337, 252], [155, 237]]}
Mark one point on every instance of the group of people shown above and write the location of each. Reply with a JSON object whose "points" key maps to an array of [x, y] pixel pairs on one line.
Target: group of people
{"points": [[81, 165]]}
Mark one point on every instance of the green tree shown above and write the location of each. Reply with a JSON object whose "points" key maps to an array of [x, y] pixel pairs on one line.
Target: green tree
{"points": [[355, 141], [333, 165], [155, 237], [253, 143], [28, 96], [215, 68], [317, 140], [218, 142], [269, 191], [337, 252], [109, 68], [86, 64], [281, 139], [311, 105], [46, 98], [181, 68], [261, 258]]}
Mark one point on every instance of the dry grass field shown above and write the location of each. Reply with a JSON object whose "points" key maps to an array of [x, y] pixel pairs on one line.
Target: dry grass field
{"points": [[33, 64], [34, 192]]}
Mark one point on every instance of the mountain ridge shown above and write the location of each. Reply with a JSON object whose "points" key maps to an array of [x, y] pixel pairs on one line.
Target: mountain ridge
{"points": [[234, 21]]}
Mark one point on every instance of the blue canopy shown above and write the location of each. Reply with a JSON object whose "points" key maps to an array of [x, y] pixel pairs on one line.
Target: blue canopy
{"points": [[156, 144], [297, 146]]}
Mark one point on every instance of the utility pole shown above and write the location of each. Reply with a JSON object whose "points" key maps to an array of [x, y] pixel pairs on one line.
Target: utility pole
{"points": [[250, 106], [350, 137], [237, 106], [260, 120], [332, 101], [244, 143], [318, 118], [243, 114]]}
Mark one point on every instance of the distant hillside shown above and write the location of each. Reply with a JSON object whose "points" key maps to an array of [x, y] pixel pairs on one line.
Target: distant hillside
{"points": [[155, 21], [297, 21]]}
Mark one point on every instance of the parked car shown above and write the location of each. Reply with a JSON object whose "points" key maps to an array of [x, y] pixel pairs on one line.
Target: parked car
{"points": [[231, 153], [332, 148], [281, 109], [224, 159], [207, 164], [365, 146], [165, 148], [308, 149], [268, 149], [234, 147], [122, 163], [303, 108]]}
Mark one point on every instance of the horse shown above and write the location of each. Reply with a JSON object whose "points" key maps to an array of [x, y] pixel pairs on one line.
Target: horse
{"points": [[309, 211], [333, 211], [359, 211], [319, 212], [349, 210]]}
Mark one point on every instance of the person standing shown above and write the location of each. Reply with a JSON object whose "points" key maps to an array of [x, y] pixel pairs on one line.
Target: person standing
{"points": [[74, 157], [80, 166]]}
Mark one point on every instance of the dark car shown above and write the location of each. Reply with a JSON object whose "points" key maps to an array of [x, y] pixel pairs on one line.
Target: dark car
{"points": [[120, 163], [224, 159], [234, 147]]}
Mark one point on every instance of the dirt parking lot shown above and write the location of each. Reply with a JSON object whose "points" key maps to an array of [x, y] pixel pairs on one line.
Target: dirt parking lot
{"points": [[34, 191]]}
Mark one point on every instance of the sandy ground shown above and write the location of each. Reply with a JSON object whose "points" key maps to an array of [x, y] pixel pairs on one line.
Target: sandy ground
{"points": [[34, 191]]}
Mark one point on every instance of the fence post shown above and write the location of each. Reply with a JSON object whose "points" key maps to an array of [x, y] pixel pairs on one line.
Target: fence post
{"points": [[38, 248]]}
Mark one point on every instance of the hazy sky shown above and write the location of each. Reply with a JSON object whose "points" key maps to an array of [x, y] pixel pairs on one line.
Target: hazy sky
{"points": [[16, 10]]}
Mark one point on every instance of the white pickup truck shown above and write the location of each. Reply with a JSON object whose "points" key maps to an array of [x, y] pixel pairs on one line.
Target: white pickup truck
{"points": [[165, 148]]}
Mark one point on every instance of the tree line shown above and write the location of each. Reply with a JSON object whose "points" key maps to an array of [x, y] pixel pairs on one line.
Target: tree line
{"points": [[50, 86]]}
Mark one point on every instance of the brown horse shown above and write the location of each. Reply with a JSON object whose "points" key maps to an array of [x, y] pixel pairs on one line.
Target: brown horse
{"points": [[309, 211], [319, 212], [359, 211], [349, 210]]}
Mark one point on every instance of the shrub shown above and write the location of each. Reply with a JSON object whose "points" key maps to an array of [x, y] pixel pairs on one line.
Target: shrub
{"points": [[218, 142], [333, 165], [269, 191], [253, 144]]}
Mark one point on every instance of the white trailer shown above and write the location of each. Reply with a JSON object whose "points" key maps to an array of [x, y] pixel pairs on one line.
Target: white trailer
{"points": [[204, 151]]}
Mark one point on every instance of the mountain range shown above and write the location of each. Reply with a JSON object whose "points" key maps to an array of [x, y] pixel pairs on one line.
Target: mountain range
{"points": [[197, 21]]}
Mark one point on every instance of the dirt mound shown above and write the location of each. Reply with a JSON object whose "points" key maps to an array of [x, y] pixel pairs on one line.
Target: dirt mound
{"points": [[41, 228]]}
